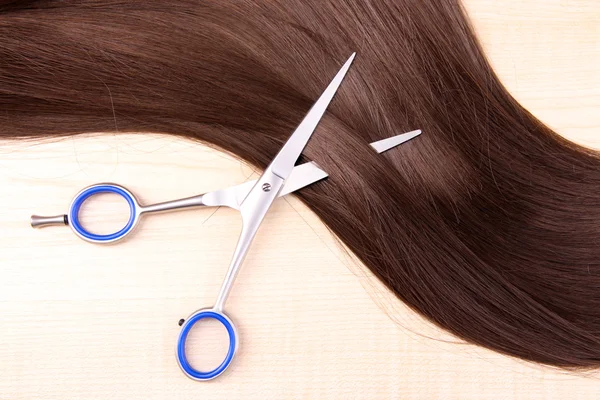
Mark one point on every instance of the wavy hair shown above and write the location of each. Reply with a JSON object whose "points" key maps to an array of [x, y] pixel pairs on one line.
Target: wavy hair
{"points": [[488, 224]]}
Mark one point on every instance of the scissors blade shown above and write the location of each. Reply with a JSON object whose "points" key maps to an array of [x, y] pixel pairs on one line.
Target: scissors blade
{"points": [[283, 164], [302, 176], [386, 144]]}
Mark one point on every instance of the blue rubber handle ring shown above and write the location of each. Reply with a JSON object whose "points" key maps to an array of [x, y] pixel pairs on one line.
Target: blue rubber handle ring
{"points": [[183, 362], [86, 194]]}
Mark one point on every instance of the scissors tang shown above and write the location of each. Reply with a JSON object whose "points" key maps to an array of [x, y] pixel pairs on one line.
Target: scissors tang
{"points": [[253, 210]]}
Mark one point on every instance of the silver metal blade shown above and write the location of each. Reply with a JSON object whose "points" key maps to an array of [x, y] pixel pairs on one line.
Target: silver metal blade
{"points": [[283, 163], [386, 144], [301, 176]]}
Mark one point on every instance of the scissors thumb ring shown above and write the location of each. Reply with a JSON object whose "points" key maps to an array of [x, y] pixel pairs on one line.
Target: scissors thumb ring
{"points": [[135, 212], [182, 360], [72, 218]]}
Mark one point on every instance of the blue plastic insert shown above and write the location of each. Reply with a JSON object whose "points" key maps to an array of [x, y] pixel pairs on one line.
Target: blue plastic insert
{"points": [[187, 326], [83, 196]]}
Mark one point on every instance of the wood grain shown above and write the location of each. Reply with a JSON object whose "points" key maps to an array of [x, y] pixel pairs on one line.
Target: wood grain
{"points": [[80, 321]]}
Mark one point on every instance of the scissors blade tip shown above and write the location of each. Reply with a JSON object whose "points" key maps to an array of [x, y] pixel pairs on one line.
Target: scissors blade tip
{"points": [[348, 62], [386, 144]]}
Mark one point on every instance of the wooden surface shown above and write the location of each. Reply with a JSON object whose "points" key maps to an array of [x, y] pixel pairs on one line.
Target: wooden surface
{"points": [[80, 321]]}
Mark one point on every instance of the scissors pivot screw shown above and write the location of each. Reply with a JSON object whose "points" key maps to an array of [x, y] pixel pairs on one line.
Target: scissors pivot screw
{"points": [[266, 187]]}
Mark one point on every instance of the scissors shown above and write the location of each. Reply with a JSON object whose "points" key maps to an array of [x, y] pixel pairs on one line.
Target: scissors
{"points": [[252, 199]]}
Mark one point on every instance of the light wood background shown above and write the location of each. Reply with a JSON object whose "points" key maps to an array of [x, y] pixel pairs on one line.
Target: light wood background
{"points": [[81, 321]]}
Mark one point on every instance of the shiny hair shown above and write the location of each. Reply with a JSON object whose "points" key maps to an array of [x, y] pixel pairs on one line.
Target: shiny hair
{"points": [[488, 224]]}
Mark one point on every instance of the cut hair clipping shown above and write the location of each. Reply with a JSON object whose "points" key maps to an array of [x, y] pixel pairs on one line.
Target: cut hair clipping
{"points": [[386, 144]]}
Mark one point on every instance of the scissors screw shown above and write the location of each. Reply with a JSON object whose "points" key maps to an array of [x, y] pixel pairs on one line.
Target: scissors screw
{"points": [[181, 321], [266, 187]]}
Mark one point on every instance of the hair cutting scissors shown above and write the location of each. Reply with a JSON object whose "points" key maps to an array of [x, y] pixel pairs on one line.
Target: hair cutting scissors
{"points": [[252, 199]]}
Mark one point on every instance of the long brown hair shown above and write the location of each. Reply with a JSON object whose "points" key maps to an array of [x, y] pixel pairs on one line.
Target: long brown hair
{"points": [[488, 225]]}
